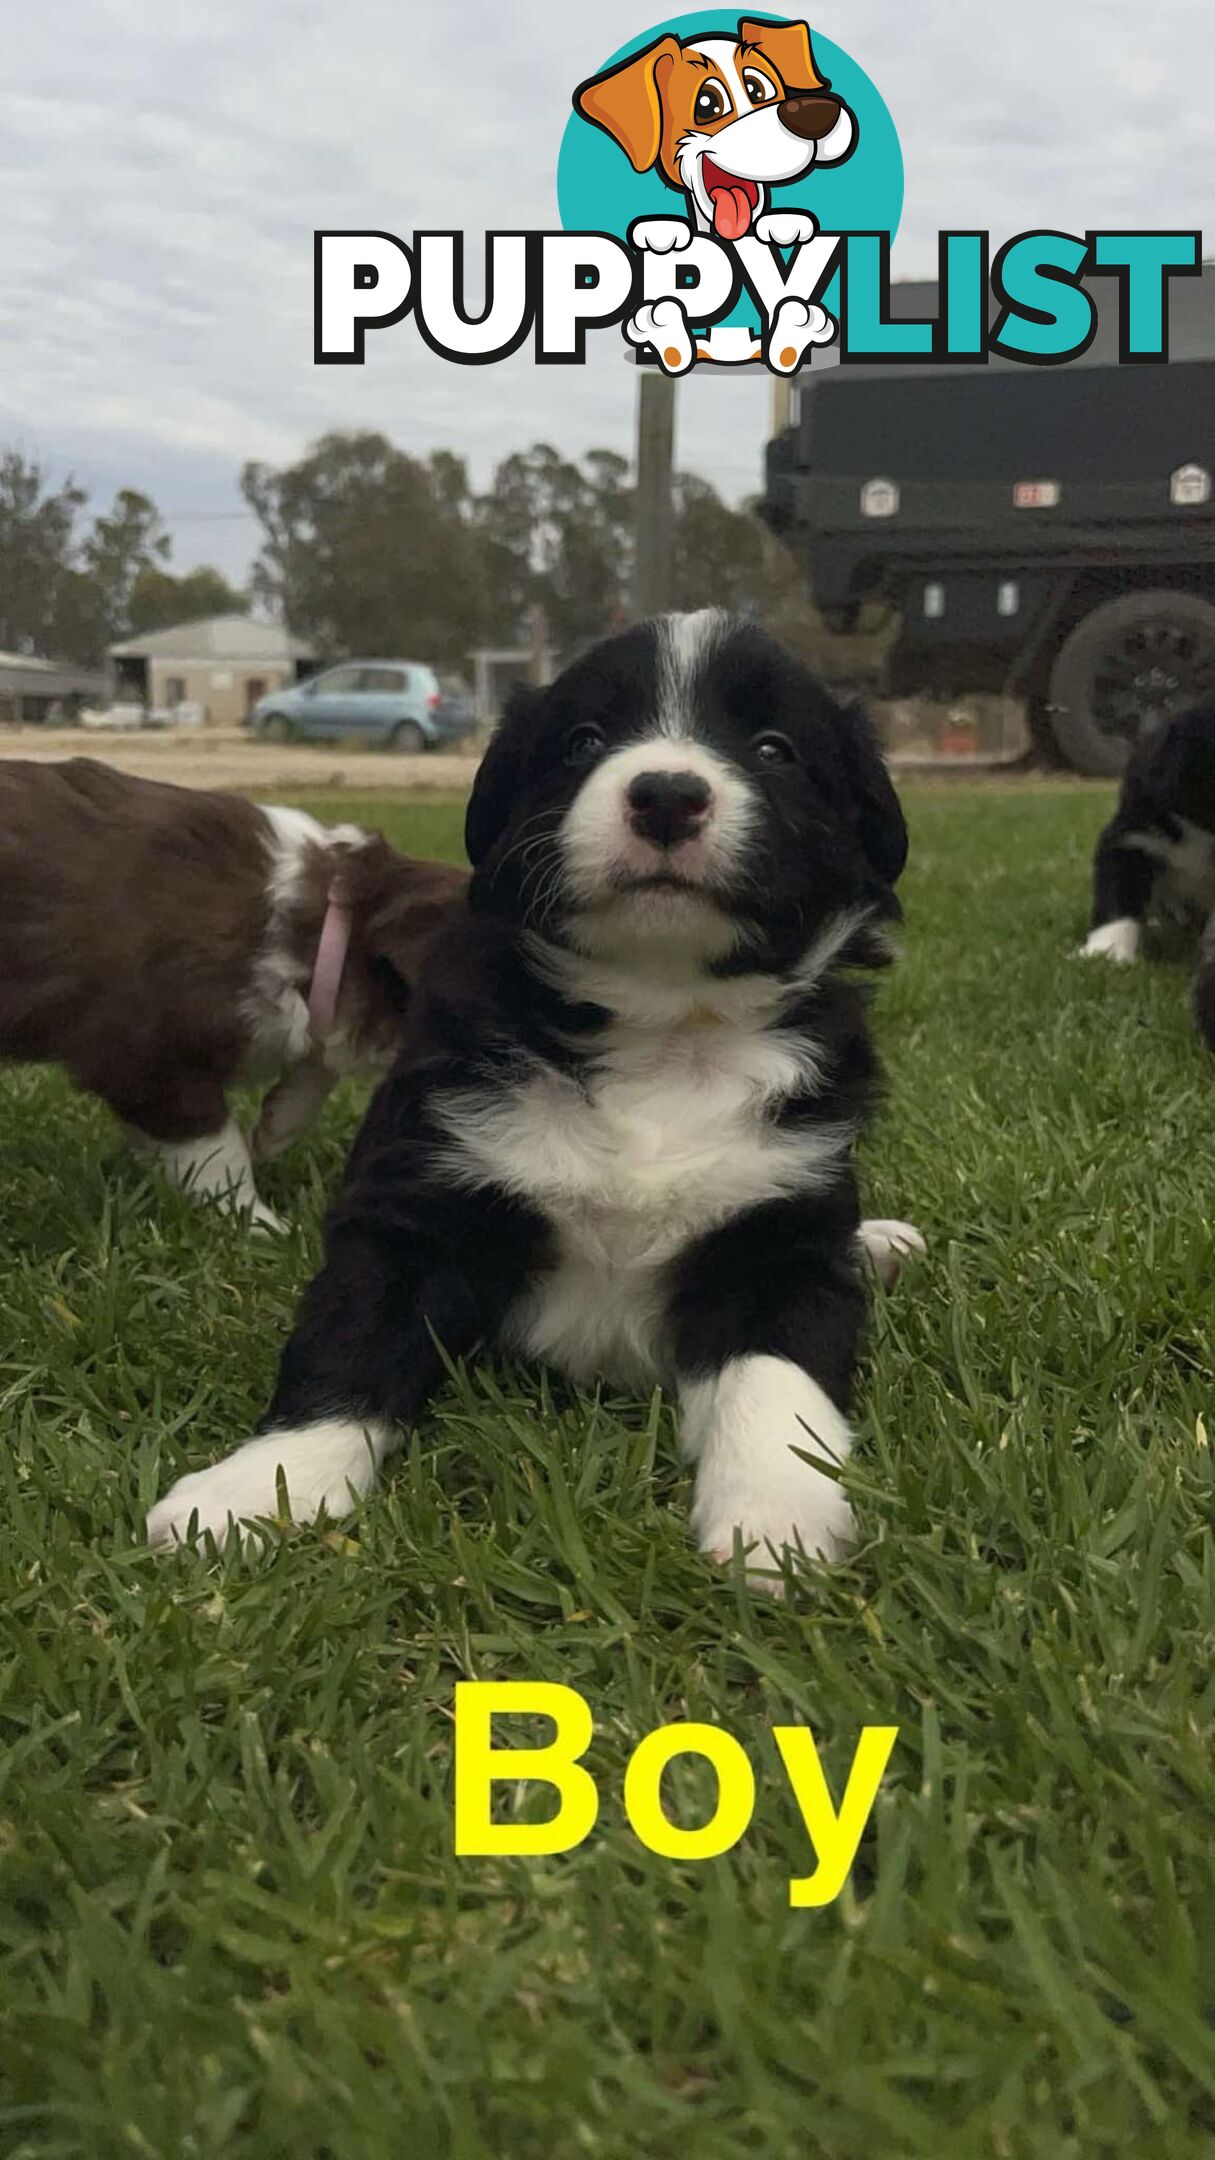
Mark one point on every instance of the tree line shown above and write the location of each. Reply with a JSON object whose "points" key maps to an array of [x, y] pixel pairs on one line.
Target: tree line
{"points": [[367, 549]]}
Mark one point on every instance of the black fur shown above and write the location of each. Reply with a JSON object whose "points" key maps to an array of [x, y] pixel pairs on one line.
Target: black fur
{"points": [[412, 1257], [1167, 789]]}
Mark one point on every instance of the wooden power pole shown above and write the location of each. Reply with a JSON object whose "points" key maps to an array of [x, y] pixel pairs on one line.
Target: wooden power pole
{"points": [[654, 514]]}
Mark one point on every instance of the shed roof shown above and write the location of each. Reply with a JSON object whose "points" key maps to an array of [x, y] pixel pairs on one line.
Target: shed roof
{"points": [[216, 637]]}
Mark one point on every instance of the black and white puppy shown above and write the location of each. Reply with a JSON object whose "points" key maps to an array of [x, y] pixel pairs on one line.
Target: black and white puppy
{"points": [[1157, 854], [619, 1136]]}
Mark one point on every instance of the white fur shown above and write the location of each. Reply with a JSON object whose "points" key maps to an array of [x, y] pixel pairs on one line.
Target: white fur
{"points": [[671, 1136], [1119, 941], [886, 1245], [686, 644], [216, 1167], [795, 325], [328, 1465], [742, 1428], [601, 852], [664, 325], [660, 235], [785, 228], [276, 1007]]}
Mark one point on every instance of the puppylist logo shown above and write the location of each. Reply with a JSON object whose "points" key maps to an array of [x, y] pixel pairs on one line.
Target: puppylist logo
{"points": [[729, 188]]}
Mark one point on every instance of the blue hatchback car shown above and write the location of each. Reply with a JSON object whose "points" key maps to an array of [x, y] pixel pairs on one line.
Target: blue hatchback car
{"points": [[401, 704]]}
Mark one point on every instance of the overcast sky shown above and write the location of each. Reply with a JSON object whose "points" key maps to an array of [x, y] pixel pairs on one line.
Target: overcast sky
{"points": [[164, 166]]}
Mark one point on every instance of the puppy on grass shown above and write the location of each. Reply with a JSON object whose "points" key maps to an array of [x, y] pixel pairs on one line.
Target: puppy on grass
{"points": [[163, 944], [1156, 856], [619, 1136]]}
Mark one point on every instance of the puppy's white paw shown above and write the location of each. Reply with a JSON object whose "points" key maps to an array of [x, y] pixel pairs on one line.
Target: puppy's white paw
{"points": [[785, 228], [796, 325], [887, 1245], [749, 1428], [817, 1521], [664, 325], [1120, 941], [660, 235], [329, 1465], [264, 1218]]}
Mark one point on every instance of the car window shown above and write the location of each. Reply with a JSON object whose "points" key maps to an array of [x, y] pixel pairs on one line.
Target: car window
{"points": [[382, 679], [339, 678]]}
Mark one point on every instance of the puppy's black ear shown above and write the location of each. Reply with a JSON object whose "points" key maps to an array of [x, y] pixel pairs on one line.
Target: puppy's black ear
{"points": [[499, 774], [880, 821]]}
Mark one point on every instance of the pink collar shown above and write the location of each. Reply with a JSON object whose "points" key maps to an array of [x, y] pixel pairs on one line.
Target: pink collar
{"points": [[330, 961]]}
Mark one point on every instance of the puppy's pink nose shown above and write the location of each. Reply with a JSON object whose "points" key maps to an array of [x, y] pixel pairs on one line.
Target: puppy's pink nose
{"points": [[667, 807]]}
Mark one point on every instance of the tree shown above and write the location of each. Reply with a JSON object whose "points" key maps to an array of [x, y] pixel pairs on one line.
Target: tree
{"points": [[37, 526], [561, 537], [720, 556], [119, 548], [158, 599], [368, 550]]}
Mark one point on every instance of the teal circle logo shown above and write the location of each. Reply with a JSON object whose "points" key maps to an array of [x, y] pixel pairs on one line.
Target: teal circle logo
{"points": [[598, 189]]}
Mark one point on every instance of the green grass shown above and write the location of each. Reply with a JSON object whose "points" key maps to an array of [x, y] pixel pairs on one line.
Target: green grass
{"points": [[230, 1916]]}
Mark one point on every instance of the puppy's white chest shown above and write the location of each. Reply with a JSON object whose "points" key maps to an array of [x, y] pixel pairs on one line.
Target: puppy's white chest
{"points": [[668, 1140]]}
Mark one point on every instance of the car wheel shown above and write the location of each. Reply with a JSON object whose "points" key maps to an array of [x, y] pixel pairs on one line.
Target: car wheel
{"points": [[274, 728], [1128, 664], [407, 738]]}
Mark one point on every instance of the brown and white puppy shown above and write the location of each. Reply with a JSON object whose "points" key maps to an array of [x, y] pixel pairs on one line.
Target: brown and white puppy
{"points": [[160, 943], [723, 118]]}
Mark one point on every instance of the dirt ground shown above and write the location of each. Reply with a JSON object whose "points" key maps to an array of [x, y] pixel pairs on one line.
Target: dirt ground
{"points": [[226, 758]]}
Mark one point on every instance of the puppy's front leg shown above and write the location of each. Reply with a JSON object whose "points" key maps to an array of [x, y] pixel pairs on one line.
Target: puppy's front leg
{"points": [[767, 1321], [1123, 878], [361, 1362], [290, 1107]]}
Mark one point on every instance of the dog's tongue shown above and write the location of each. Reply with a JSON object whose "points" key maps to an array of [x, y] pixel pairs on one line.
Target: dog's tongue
{"points": [[731, 212]]}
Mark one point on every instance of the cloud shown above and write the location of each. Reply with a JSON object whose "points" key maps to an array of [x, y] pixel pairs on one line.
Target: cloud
{"points": [[164, 168]]}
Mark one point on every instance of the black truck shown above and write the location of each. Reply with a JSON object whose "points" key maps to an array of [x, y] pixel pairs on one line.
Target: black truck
{"points": [[1044, 532]]}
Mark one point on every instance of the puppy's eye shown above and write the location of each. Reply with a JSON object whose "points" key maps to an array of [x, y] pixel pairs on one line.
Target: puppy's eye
{"points": [[758, 88], [711, 104], [773, 749], [584, 745]]}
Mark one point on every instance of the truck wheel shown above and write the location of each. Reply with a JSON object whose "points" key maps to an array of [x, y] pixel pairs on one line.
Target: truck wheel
{"points": [[1129, 663]]}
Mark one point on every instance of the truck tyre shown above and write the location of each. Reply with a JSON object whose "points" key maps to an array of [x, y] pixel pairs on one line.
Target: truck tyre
{"points": [[1128, 663]]}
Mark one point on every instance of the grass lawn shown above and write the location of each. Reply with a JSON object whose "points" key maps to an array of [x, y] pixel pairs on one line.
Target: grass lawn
{"points": [[230, 1916]]}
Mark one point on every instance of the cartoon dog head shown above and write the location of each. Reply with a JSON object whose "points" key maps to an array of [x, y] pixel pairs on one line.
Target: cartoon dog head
{"points": [[723, 118]]}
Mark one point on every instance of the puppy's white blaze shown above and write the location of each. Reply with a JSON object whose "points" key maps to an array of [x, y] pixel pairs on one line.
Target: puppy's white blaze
{"points": [[1119, 941], [330, 1464], [742, 1428], [685, 645]]}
